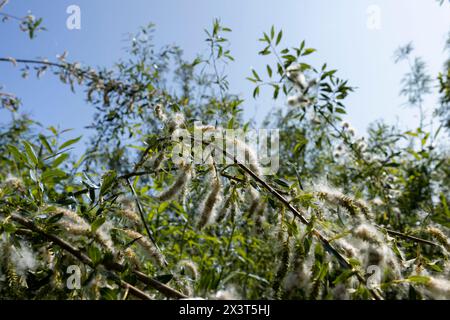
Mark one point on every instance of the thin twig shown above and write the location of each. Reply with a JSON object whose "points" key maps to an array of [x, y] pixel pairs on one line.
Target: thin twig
{"points": [[406, 236], [10, 16], [144, 221]]}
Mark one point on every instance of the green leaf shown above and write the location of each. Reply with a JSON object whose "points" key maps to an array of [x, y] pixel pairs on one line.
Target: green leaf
{"points": [[54, 219], [282, 183], [52, 173], [108, 180], [308, 51], [194, 63], [340, 110], [60, 160], [343, 276], [164, 278], [95, 254], [87, 180], [31, 154], [269, 71], [302, 45], [265, 51], [424, 139], [280, 35], [163, 206], [256, 92], [109, 294], [412, 134], [15, 153], [444, 204], [323, 272], [256, 75], [45, 143], [8, 227], [97, 223], [276, 91], [418, 279], [69, 142], [92, 195], [78, 163]]}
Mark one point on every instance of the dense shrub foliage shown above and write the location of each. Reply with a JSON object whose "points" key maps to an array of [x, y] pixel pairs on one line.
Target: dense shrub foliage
{"points": [[346, 216]]}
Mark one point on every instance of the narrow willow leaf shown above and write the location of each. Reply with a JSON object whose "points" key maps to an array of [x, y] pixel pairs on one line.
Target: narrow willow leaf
{"points": [[107, 182], [69, 143], [97, 223], [31, 154]]}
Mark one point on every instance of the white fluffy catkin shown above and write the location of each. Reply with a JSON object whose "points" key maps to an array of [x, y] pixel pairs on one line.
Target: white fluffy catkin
{"points": [[145, 244], [210, 204], [77, 226], [159, 112], [439, 236], [243, 149], [438, 288], [182, 179], [131, 216], [71, 222], [190, 268], [23, 259], [224, 211], [229, 293], [103, 236], [257, 205]]}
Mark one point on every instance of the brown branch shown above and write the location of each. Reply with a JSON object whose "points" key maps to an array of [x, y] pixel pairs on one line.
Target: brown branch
{"points": [[406, 236], [74, 251], [10, 16], [299, 215], [31, 61], [77, 253], [134, 291]]}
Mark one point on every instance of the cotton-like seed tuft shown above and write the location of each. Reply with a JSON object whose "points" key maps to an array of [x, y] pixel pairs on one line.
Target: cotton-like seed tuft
{"points": [[181, 180], [190, 268], [159, 112], [210, 204], [145, 244], [368, 233], [23, 259], [243, 149], [227, 294], [14, 183], [131, 216], [440, 288], [103, 236], [439, 236]]}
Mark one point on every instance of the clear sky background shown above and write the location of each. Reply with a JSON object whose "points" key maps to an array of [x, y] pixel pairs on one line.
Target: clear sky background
{"points": [[337, 29]]}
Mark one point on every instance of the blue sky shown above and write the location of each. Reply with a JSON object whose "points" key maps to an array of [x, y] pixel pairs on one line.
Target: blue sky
{"points": [[337, 29]]}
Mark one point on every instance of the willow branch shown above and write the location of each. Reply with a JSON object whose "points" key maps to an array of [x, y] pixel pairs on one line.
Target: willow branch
{"points": [[407, 236], [299, 215], [81, 256], [75, 252], [10, 16]]}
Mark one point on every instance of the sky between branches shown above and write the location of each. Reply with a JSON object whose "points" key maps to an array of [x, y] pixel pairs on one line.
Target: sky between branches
{"points": [[337, 29]]}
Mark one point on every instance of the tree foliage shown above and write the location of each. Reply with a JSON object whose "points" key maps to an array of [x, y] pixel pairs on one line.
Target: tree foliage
{"points": [[346, 216]]}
